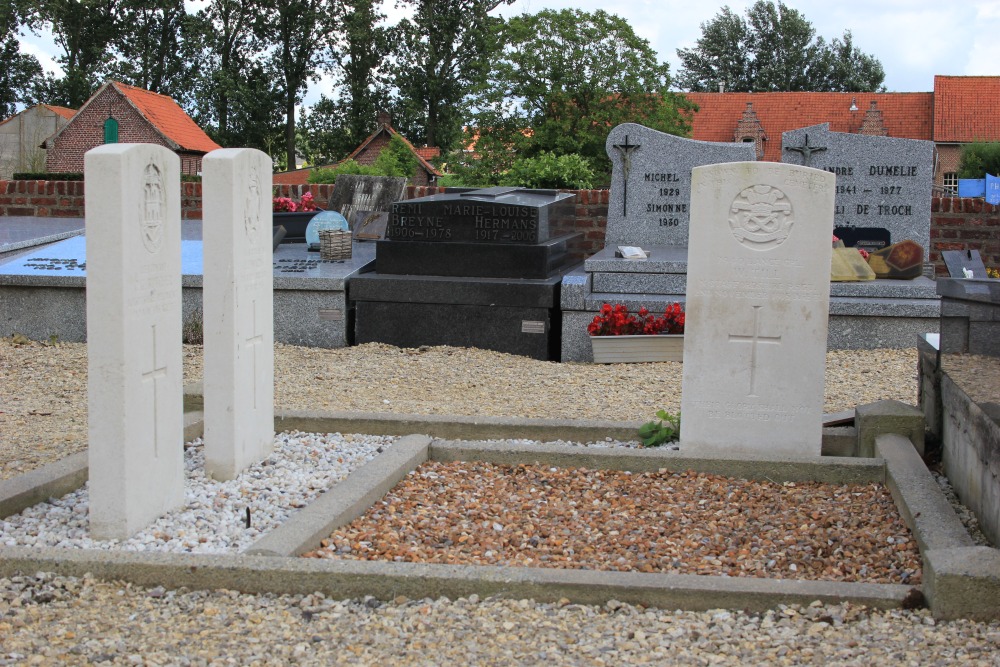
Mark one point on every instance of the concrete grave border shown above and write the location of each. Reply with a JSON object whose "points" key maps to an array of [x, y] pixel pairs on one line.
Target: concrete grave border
{"points": [[960, 580]]}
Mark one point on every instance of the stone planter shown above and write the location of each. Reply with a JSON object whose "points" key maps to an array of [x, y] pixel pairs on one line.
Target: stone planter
{"points": [[637, 349], [294, 223]]}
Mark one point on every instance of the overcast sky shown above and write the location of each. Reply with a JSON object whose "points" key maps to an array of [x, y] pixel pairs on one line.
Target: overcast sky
{"points": [[913, 39]]}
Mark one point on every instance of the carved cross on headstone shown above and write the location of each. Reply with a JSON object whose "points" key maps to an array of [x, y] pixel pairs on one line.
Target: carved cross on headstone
{"points": [[626, 152], [153, 376], [754, 339], [806, 150]]}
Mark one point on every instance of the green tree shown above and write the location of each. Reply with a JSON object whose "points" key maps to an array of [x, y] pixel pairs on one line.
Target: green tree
{"points": [[297, 30], [359, 57], [562, 81], [774, 49], [20, 71], [441, 53], [158, 50], [84, 30], [978, 159]]}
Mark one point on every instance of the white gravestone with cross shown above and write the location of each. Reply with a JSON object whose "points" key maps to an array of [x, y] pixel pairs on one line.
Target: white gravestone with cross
{"points": [[238, 310], [758, 292], [135, 390]]}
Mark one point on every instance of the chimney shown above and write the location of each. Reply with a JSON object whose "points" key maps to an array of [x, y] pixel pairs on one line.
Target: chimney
{"points": [[722, 86], [384, 118]]}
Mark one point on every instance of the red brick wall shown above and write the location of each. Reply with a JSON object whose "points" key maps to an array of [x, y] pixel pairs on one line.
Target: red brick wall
{"points": [[54, 199], [964, 224], [86, 131]]}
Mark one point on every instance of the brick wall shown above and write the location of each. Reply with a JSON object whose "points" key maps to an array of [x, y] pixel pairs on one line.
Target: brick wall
{"points": [[964, 224], [956, 224], [86, 131]]}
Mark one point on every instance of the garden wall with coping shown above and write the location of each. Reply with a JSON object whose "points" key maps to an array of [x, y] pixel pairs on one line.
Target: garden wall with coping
{"points": [[956, 224]]}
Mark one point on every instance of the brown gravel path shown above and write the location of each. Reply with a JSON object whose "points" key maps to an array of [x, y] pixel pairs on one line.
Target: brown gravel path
{"points": [[682, 523]]}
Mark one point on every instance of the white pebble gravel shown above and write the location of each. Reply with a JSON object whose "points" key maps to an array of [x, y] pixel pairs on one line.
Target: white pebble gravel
{"points": [[213, 519]]}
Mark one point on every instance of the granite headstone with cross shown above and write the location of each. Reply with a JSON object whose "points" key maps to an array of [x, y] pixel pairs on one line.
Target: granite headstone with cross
{"points": [[758, 296], [362, 200], [134, 386], [883, 183]]}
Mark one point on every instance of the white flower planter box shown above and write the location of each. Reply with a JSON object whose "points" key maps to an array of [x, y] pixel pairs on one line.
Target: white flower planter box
{"points": [[637, 349]]}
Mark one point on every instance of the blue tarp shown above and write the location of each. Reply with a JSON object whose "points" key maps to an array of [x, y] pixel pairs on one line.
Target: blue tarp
{"points": [[971, 187], [992, 189]]}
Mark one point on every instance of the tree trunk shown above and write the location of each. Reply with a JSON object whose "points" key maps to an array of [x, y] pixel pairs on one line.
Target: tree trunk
{"points": [[290, 127]]}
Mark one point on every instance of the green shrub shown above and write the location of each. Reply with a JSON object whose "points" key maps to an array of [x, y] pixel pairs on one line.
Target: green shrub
{"points": [[46, 176], [979, 159], [551, 171]]}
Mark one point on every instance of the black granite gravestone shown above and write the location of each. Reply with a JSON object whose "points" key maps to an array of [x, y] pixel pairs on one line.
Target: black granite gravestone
{"points": [[960, 261], [478, 268]]}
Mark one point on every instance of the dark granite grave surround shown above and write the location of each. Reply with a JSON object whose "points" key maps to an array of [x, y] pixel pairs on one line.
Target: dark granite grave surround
{"points": [[530, 332], [446, 290], [970, 316], [417, 258], [491, 216]]}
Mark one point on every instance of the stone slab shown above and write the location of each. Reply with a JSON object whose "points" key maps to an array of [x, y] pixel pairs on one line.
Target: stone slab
{"points": [[20, 232], [238, 311], [530, 332], [875, 419], [959, 261], [457, 291], [135, 411], [661, 259], [651, 183], [490, 215], [478, 260], [882, 182], [640, 283], [354, 193], [963, 583], [757, 309]]}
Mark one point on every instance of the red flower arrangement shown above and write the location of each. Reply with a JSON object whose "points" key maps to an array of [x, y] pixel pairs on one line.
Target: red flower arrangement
{"points": [[287, 205], [617, 321]]}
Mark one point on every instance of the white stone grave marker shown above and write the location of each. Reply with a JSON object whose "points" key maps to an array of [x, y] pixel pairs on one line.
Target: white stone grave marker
{"points": [[758, 292], [135, 390], [238, 310]]}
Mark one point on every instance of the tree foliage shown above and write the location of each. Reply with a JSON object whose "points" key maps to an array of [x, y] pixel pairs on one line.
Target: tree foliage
{"points": [[562, 81], [20, 72], [978, 159], [395, 159], [774, 49], [441, 53]]}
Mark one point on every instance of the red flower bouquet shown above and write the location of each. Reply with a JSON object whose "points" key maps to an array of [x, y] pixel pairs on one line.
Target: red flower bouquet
{"points": [[617, 321], [287, 205]]}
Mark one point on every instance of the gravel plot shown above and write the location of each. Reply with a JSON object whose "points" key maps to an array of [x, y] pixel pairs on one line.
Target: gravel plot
{"points": [[60, 620], [680, 522], [213, 518], [43, 388], [46, 619]]}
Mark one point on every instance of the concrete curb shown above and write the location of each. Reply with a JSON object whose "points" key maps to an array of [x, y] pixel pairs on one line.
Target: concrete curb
{"points": [[918, 497], [963, 583], [49, 481], [385, 581], [822, 469], [344, 502]]}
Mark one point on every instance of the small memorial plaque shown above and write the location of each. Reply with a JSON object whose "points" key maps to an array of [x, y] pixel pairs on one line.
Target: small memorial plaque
{"points": [[369, 225], [865, 238], [960, 261], [493, 215]]}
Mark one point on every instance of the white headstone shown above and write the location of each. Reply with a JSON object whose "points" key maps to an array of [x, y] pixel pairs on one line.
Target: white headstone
{"points": [[135, 389], [238, 310], [758, 291]]}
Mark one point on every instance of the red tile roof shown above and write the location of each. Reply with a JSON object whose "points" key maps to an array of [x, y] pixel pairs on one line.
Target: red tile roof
{"points": [[428, 152], [65, 112], [965, 108], [168, 118], [391, 131], [906, 115]]}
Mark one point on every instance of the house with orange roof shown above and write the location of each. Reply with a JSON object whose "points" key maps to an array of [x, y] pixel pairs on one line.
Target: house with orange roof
{"points": [[119, 113], [22, 135], [961, 109], [368, 151]]}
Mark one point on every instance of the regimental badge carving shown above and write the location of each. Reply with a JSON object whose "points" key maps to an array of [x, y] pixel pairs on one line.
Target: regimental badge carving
{"points": [[153, 206], [252, 206], [761, 217]]}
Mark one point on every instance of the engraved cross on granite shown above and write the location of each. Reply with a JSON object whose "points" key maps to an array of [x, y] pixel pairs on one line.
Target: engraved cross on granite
{"points": [[754, 340], [626, 153], [806, 150]]}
